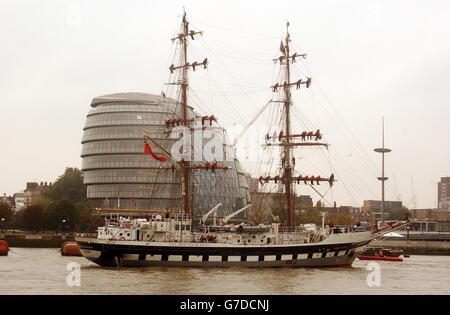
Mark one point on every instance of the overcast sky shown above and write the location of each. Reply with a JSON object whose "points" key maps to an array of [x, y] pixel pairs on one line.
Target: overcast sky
{"points": [[367, 59]]}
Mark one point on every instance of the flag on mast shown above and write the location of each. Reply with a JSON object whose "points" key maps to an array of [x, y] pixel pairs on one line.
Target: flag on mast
{"points": [[118, 201], [148, 150]]}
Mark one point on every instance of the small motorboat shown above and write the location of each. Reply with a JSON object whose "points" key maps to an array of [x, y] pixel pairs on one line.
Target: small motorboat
{"points": [[385, 254]]}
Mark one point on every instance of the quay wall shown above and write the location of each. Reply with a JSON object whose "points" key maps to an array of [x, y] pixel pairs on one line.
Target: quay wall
{"points": [[417, 247], [35, 240]]}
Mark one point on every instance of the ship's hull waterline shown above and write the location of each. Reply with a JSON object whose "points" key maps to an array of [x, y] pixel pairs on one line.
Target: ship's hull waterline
{"points": [[140, 254]]}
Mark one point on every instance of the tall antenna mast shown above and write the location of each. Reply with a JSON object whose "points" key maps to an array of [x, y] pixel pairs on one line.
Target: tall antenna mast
{"points": [[382, 150], [286, 136]]}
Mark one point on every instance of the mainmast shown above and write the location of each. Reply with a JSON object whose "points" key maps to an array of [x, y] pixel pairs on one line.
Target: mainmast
{"points": [[287, 167], [286, 136], [183, 38]]}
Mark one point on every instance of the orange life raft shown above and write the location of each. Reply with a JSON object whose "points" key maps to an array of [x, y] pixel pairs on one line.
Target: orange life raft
{"points": [[70, 249]]}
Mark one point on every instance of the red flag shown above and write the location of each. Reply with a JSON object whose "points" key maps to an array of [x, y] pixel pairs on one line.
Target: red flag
{"points": [[148, 150]]}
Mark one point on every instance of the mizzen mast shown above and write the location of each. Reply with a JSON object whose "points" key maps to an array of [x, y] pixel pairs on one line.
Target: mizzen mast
{"points": [[285, 137]]}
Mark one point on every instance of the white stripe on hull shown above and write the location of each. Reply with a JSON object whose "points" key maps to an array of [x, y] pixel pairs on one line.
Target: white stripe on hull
{"points": [[195, 258], [153, 257], [175, 258], [302, 256], [215, 258], [317, 255]]}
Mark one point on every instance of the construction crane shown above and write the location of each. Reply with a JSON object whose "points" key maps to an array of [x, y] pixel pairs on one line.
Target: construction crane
{"points": [[397, 193], [412, 203]]}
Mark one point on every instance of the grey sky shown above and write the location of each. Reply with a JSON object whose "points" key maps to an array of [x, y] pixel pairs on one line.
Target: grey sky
{"points": [[370, 58]]}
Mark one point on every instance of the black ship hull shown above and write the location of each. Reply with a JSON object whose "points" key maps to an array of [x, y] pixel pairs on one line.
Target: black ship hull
{"points": [[140, 254]]}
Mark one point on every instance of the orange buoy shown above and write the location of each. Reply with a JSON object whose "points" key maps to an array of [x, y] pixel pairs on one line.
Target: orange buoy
{"points": [[4, 248], [70, 249]]}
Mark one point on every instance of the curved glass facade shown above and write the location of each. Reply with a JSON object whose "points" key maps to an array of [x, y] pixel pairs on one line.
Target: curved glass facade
{"points": [[116, 169]]}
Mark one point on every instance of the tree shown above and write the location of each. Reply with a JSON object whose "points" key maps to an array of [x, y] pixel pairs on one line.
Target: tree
{"points": [[342, 218], [5, 212], [88, 221], [65, 200], [260, 215], [311, 215], [398, 214], [61, 215], [33, 217], [68, 186]]}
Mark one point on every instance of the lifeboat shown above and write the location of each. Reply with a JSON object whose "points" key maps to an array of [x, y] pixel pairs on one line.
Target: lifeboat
{"points": [[4, 248], [70, 249]]}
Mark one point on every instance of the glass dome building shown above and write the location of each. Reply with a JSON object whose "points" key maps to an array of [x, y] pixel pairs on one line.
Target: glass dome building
{"points": [[118, 173]]}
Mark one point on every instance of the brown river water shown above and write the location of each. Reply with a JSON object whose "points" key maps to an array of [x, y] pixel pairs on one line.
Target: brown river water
{"points": [[45, 271]]}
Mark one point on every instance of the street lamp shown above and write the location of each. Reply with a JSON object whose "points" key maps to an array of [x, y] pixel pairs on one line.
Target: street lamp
{"points": [[407, 233], [61, 226], [3, 224]]}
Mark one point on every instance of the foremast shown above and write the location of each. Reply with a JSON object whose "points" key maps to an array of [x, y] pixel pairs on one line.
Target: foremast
{"points": [[184, 82], [286, 137], [184, 166]]}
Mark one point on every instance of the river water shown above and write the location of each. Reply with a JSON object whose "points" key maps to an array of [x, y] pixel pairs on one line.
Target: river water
{"points": [[44, 271]]}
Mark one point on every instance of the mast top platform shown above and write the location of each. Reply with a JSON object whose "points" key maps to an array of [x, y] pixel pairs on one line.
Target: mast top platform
{"points": [[382, 150]]}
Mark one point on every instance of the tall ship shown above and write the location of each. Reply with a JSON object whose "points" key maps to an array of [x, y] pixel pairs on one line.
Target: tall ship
{"points": [[171, 237]]}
